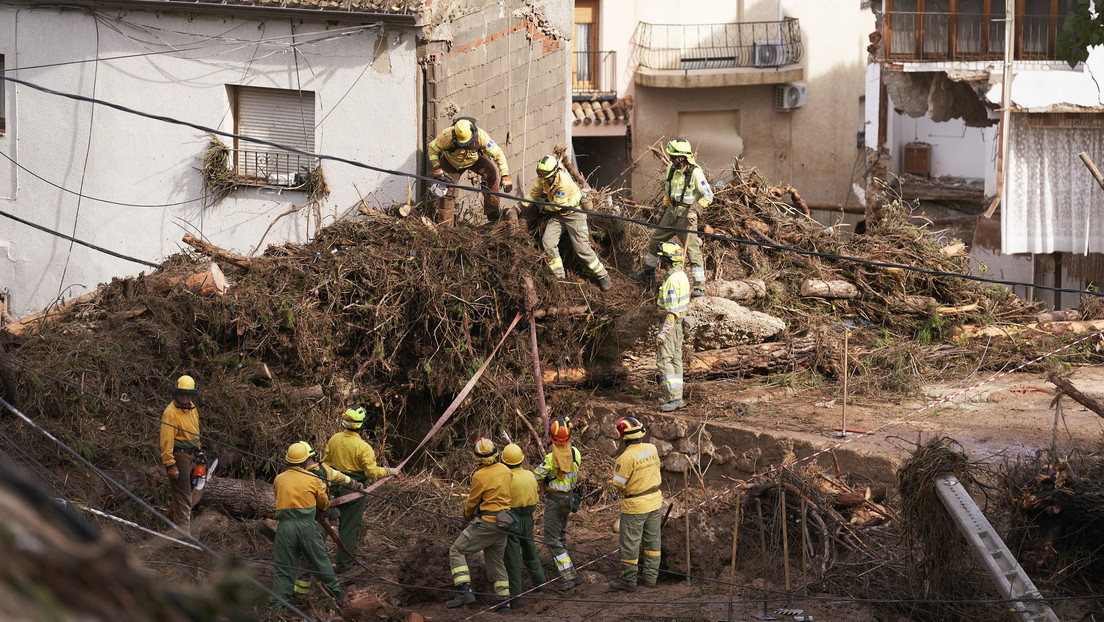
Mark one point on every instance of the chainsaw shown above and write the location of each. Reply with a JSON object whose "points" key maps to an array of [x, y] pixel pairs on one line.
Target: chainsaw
{"points": [[201, 471]]}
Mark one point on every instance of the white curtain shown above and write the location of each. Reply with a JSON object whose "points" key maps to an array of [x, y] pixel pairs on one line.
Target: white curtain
{"points": [[1051, 202]]}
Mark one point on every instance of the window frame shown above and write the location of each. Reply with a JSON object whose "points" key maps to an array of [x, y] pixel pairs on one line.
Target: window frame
{"points": [[989, 19], [269, 166]]}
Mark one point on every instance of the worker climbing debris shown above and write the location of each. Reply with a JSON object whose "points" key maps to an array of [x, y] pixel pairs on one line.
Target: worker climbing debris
{"points": [[465, 147], [636, 476], [685, 193], [181, 451], [488, 512], [349, 453], [558, 476], [300, 493], [555, 186]]}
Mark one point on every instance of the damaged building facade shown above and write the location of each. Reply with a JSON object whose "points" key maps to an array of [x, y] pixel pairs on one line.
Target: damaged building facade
{"points": [[1009, 184], [366, 81]]}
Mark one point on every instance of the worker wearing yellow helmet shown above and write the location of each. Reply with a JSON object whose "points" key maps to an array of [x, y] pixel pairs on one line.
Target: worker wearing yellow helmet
{"points": [[464, 147], [636, 475], [487, 511], [300, 492], [674, 299], [554, 185], [686, 192], [520, 546], [349, 453], [180, 447]]}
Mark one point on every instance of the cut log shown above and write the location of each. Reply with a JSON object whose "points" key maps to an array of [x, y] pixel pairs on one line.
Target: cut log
{"points": [[828, 289], [240, 497], [308, 394], [741, 289], [579, 310], [1066, 387], [1069, 315], [258, 373], [876, 495], [912, 304], [957, 310], [32, 322], [217, 253], [953, 250], [212, 282], [1018, 330]]}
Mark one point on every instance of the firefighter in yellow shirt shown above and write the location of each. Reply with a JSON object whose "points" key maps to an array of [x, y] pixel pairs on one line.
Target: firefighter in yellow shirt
{"points": [[487, 510], [465, 147], [347, 452], [636, 476], [520, 547], [180, 450]]}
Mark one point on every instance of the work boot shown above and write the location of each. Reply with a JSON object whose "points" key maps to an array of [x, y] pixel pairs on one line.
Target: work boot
{"points": [[619, 586], [569, 584], [646, 275], [650, 586], [463, 597], [605, 283], [669, 406], [697, 293], [560, 274], [505, 607]]}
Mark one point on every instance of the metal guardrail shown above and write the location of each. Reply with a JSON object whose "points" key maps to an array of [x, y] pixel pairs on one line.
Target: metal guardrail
{"points": [[910, 35], [594, 74], [272, 168], [718, 46]]}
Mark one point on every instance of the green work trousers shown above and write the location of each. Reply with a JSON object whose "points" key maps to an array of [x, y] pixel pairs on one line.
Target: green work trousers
{"points": [[294, 537], [669, 362], [679, 216], [351, 519], [557, 509], [480, 535], [575, 225], [637, 530], [521, 548]]}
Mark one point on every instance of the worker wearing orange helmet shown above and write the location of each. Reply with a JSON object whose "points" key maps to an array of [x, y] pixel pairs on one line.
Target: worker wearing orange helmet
{"points": [[636, 476], [180, 450], [520, 547], [348, 452], [465, 147], [558, 477], [487, 511]]}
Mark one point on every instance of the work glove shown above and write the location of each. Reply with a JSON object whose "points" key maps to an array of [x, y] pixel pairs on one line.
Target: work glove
{"points": [[703, 203], [172, 471], [666, 201], [692, 216], [664, 330], [393, 471], [356, 486], [507, 184], [439, 173]]}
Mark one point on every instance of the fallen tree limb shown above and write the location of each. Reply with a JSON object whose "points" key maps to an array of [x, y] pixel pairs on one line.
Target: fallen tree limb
{"points": [[1064, 386], [968, 331], [213, 251], [240, 497], [31, 322], [828, 289]]}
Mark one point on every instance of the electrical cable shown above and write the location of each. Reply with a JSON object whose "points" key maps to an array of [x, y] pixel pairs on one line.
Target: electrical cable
{"points": [[136, 498], [81, 242], [716, 236]]}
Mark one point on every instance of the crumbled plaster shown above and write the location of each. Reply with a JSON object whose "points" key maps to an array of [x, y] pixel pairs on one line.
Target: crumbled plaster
{"points": [[381, 61], [934, 94], [1056, 89]]}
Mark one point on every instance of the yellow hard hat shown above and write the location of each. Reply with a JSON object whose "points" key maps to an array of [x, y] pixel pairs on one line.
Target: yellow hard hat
{"points": [[185, 384], [679, 147], [672, 252], [299, 452], [353, 419], [463, 132], [548, 165], [512, 455], [485, 450]]}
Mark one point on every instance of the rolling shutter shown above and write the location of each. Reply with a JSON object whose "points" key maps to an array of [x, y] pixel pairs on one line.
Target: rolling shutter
{"points": [[282, 116]]}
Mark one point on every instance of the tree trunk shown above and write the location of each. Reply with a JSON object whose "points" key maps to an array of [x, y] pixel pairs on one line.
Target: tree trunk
{"points": [[828, 289], [240, 497], [742, 289], [1065, 387], [217, 253]]}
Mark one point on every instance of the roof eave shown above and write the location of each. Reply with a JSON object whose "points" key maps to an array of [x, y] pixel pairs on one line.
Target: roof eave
{"points": [[197, 6]]}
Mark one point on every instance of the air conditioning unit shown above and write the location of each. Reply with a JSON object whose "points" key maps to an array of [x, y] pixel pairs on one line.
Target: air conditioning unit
{"points": [[768, 54], [789, 96]]}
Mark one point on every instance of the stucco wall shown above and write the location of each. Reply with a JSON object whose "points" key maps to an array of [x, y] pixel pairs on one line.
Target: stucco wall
{"points": [[813, 148], [507, 64], [366, 87]]}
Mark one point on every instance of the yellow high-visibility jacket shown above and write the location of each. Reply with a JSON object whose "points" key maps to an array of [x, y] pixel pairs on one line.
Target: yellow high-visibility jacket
{"points": [[490, 492], [464, 157], [636, 477], [523, 488], [683, 189], [560, 189], [179, 430], [674, 294], [347, 452], [299, 493]]}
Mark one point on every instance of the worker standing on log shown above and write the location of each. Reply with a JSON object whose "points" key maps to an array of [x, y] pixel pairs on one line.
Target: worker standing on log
{"points": [[674, 298], [348, 452], [488, 516], [300, 493], [554, 185], [636, 476], [686, 193], [558, 476], [520, 547], [181, 451], [467, 148]]}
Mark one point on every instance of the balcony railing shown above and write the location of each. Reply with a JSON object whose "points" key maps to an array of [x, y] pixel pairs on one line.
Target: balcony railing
{"points": [[931, 36], [718, 46], [594, 75], [272, 168]]}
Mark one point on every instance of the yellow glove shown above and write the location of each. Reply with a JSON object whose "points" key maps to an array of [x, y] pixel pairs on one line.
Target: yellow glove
{"points": [[666, 201], [704, 203]]}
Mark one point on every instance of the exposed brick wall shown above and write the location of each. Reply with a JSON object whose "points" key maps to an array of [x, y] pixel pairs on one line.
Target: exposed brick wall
{"points": [[509, 69]]}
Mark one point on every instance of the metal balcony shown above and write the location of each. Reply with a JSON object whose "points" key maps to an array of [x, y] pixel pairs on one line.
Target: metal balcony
{"points": [[957, 36], [752, 45], [594, 76]]}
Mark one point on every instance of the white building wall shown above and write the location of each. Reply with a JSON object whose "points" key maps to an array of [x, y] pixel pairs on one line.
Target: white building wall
{"points": [[366, 88], [956, 150]]}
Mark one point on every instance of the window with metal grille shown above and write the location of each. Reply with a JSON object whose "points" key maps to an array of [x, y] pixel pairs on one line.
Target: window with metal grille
{"points": [[280, 116]]}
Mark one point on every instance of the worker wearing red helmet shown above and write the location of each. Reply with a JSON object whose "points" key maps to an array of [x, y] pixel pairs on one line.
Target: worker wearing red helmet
{"points": [[636, 476], [558, 477]]}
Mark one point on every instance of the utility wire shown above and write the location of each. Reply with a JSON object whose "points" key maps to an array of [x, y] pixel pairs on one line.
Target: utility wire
{"points": [[716, 236], [79, 241]]}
